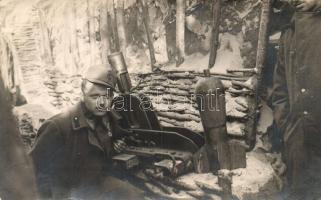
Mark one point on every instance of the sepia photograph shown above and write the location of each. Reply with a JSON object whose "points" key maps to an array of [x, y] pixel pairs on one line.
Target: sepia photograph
{"points": [[160, 99]]}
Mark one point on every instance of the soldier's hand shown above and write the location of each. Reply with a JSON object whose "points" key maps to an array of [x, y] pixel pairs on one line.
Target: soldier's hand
{"points": [[119, 146], [307, 5]]}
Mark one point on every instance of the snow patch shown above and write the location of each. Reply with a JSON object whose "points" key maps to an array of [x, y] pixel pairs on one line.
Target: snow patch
{"points": [[228, 56]]}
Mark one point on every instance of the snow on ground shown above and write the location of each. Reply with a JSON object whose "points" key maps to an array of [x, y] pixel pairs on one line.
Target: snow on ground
{"points": [[228, 56], [257, 181], [266, 118]]}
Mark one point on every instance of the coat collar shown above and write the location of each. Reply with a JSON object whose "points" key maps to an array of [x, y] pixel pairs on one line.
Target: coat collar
{"points": [[78, 118]]}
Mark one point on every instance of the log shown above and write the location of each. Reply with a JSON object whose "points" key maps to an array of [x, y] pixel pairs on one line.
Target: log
{"points": [[231, 78], [246, 70], [183, 75], [201, 74], [215, 32], [180, 32], [168, 84]]}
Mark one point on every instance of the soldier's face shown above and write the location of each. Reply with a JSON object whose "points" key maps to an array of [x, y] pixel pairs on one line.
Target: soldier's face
{"points": [[97, 99]]}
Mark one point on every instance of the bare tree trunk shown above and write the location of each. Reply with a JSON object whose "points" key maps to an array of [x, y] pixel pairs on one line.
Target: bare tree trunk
{"points": [[145, 17], [180, 31], [120, 22], [91, 31], [73, 34], [215, 32], [113, 39], [45, 44], [104, 27], [67, 38]]}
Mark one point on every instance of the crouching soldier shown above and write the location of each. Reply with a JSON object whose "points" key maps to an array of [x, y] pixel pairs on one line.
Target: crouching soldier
{"points": [[72, 151]]}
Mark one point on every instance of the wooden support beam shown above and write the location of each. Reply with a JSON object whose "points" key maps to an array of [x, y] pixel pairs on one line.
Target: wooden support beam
{"points": [[260, 64]]}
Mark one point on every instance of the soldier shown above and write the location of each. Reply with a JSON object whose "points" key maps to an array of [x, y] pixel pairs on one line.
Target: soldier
{"points": [[72, 151], [16, 170], [296, 93]]}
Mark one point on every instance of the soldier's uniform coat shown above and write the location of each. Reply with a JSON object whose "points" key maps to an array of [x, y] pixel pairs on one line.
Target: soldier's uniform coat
{"points": [[70, 161], [296, 96]]}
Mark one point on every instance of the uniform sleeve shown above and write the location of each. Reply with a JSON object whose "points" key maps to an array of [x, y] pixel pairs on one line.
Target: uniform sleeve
{"points": [[279, 97], [49, 140]]}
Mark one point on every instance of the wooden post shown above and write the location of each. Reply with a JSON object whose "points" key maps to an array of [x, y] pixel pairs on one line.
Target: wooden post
{"points": [[260, 63], [145, 17], [180, 32], [104, 31], [120, 22], [215, 32]]}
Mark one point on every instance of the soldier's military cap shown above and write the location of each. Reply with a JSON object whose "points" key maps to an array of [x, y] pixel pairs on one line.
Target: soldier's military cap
{"points": [[102, 75]]}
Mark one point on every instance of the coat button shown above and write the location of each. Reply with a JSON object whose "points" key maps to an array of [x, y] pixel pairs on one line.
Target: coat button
{"points": [[303, 90]]}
